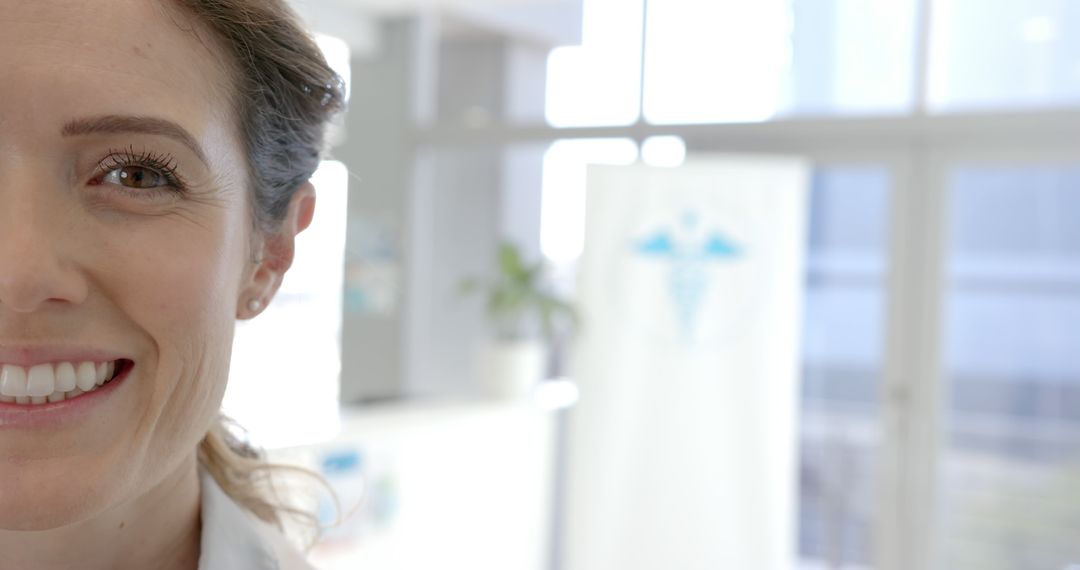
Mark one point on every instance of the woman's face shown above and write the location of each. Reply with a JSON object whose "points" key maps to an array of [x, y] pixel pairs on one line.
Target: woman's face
{"points": [[124, 236]]}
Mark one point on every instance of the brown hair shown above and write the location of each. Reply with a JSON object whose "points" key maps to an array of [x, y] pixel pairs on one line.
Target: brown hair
{"points": [[284, 96]]}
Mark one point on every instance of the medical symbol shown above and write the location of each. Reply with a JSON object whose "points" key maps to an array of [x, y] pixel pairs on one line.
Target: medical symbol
{"points": [[689, 255]]}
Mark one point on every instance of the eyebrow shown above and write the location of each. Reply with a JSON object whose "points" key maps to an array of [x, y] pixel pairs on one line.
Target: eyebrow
{"points": [[113, 124]]}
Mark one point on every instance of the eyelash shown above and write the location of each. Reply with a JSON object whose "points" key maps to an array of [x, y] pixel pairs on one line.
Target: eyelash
{"points": [[164, 164]]}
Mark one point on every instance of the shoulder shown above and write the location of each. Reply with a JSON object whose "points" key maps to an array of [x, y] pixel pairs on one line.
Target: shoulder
{"points": [[234, 539], [288, 557]]}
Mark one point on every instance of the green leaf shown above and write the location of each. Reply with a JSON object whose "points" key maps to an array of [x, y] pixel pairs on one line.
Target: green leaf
{"points": [[517, 297]]}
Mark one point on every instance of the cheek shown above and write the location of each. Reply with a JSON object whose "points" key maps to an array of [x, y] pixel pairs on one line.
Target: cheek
{"points": [[176, 286], [173, 283]]}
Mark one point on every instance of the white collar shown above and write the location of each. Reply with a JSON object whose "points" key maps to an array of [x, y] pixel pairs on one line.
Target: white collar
{"points": [[232, 538]]}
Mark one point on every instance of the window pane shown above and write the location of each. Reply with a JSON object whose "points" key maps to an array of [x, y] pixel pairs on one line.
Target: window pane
{"points": [[599, 82], [1004, 53], [732, 60], [853, 56], [562, 225], [842, 353], [1010, 485]]}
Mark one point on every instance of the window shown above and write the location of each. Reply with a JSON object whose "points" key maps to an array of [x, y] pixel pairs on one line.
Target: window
{"points": [[1019, 54], [1011, 468], [843, 345], [562, 230], [597, 83]]}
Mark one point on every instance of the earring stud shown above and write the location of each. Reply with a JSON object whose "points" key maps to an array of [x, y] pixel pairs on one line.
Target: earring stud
{"points": [[254, 305]]}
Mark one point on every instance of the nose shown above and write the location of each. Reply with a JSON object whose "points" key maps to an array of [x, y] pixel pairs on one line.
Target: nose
{"points": [[36, 266]]}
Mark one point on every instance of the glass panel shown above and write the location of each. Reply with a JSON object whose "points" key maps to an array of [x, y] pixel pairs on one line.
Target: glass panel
{"points": [[1003, 53], [842, 354], [599, 82], [562, 225], [1010, 488], [732, 60]]}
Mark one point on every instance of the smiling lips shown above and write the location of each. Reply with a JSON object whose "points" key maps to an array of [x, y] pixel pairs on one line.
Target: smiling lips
{"points": [[55, 382]]}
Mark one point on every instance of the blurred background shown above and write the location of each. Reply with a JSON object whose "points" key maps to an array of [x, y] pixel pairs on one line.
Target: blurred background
{"points": [[925, 289]]}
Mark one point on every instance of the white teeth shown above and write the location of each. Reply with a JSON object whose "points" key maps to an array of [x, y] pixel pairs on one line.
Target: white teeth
{"points": [[102, 373], [13, 380], [87, 376], [40, 381], [65, 377], [48, 383]]}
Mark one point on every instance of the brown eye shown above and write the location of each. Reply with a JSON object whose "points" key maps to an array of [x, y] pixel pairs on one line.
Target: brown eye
{"points": [[142, 174], [135, 176]]}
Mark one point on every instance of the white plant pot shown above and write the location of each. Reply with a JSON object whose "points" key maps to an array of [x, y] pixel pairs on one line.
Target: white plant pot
{"points": [[510, 370]]}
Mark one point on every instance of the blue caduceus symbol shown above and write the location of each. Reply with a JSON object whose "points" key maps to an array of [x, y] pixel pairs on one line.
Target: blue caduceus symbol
{"points": [[688, 260]]}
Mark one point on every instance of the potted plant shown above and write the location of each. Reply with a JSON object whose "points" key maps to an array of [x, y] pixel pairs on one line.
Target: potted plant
{"points": [[525, 317]]}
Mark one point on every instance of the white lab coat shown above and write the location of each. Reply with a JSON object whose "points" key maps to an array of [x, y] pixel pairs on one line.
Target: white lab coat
{"points": [[234, 539]]}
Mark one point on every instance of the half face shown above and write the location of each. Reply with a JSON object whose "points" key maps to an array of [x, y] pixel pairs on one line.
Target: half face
{"points": [[124, 248]]}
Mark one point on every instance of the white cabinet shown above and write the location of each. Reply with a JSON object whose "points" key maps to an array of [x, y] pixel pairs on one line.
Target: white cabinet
{"points": [[443, 486]]}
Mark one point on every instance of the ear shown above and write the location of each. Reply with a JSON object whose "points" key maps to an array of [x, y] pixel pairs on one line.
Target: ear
{"points": [[274, 255]]}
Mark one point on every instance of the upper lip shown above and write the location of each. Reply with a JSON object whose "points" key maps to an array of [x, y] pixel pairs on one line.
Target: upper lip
{"points": [[27, 356]]}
